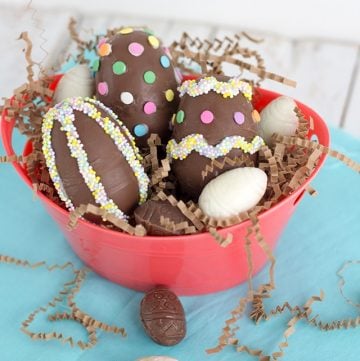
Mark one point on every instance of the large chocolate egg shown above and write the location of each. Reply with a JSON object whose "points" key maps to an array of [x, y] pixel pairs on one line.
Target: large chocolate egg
{"points": [[163, 316], [92, 157], [136, 79], [215, 120]]}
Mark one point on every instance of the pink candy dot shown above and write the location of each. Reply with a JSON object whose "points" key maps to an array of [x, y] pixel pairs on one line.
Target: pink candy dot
{"points": [[101, 42], [149, 108], [239, 118], [207, 117], [103, 88], [136, 49]]}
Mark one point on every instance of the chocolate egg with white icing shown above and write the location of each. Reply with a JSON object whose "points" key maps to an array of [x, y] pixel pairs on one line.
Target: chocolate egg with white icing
{"points": [[92, 157], [136, 79], [215, 120]]}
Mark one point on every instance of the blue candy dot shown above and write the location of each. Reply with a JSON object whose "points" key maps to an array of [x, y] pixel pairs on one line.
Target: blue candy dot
{"points": [[140, 130], [165, 61]]}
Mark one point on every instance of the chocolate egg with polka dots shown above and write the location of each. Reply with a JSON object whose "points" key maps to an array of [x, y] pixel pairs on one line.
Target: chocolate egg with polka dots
{"points": [[215, 119], [136, 79]]}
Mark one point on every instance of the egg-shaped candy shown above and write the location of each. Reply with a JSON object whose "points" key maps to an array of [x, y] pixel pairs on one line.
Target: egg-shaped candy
{"points": [[215, 120], [77, 82], [92, 157], [233, 192], [136, 79], [279, 117]]}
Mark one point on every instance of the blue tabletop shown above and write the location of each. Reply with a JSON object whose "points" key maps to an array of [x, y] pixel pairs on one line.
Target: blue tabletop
{"points": [[320, 237]]}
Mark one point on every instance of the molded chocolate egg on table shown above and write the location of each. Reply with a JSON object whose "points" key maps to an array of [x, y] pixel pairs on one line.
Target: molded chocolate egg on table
{"points": [[137, 81], [92, 157], [215, 120]]}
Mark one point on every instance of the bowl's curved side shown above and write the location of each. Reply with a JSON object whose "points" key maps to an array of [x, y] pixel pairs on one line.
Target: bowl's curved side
{"points": [[193, 264]]}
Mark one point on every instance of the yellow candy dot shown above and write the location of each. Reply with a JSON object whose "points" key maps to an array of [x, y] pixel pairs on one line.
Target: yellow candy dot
{"points": [[104, 49], [126, 31], [153, 41], [169, 95]]}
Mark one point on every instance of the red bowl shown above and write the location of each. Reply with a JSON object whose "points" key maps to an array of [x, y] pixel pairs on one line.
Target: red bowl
{"points": [[189, 265]]}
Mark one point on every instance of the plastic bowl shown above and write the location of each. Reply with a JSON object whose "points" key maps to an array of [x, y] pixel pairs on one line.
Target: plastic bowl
{"points": [[189, 265]]}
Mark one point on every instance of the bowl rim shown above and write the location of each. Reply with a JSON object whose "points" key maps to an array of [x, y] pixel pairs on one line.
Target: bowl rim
{"points": [[7, 127]]}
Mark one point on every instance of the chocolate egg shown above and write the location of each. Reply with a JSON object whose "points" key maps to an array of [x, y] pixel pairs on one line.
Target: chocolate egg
{"points": [[92, 157], [163, 317], [149, 215], [136, 79], [215, 120]]}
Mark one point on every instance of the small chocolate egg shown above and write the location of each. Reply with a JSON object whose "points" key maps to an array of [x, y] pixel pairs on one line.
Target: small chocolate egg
{"points": [[233, 192], [156, 358], [279, 117], [92, 157], [163, 316], [136, 79], [77, 82], [215, 120], [149, 215]]}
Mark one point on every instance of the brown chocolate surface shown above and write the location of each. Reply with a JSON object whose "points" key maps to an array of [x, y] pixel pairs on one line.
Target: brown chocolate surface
{"points": [[109, 164], [149, 213], [132, 80], [188, 171], [163, 316]]}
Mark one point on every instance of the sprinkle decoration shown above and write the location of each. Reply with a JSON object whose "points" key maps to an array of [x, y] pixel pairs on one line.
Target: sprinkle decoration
{"points": [[126, 97], [149, 77], [140, 130], [180, 115], [239, 118], [125, 31], [149, 108], [119, 67], [104, 49], [153, 41], [197, 143], [64, 113], [169, 95], [227, 89], [164, 61], [103, 88]]}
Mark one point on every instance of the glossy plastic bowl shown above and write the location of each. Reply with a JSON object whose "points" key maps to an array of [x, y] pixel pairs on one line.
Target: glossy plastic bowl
{"points": [[189, 265]]}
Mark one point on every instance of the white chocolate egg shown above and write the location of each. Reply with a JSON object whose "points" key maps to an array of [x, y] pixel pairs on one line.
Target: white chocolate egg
{"points": [[278, 117], [157, 358], [233, 192], [77, 82]]}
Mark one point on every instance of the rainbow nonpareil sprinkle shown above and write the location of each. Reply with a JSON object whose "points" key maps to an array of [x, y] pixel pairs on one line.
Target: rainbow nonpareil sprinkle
{"points": [[64, 113], [227, 89], [197, 143]]}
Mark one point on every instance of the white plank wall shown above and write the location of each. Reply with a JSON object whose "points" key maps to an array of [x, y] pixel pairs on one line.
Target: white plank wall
{"points": [[327, 71]]}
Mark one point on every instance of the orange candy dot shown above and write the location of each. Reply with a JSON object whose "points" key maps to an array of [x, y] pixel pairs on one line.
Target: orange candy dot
{"points": [[104, 49]]}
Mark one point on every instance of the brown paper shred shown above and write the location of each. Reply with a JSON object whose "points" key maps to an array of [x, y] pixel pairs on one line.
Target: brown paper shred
{"points": [[313, 192], [12, 158], [341, 283], [67, 292], [30, 72], [171, 226], [220, 239], [77, 213], [217, 52]]}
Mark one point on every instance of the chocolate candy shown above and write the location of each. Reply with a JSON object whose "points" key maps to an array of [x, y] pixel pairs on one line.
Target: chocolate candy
{"points": [[163, 317], [92, 157], [149, 215], [215, 119], [136, 80]]}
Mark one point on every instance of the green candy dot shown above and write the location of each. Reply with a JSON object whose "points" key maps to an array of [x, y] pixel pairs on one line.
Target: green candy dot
{"points": [[180, 116], [148, 31], [119, 67], [149, 77], [95, 65]]}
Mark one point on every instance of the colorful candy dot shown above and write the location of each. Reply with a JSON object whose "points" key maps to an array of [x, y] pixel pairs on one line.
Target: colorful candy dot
{"points": [[169, 95], [149, 108], [126, 97], [101, 41], [125, 31], [164, 61], [104, 49], [206, 117], [256, 116], [180, 116], [119, 67], [149, 77], [140, 130], [148, 31], [239, 118], [95, 65], [136, 49], [153, 41], [103, 88]]}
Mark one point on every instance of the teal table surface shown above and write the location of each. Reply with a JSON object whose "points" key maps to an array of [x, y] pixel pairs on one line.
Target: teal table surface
{"points": [[322, 235]]}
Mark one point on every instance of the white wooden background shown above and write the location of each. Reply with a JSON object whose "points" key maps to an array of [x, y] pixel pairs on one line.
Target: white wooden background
{"points": [[325, 64]]}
